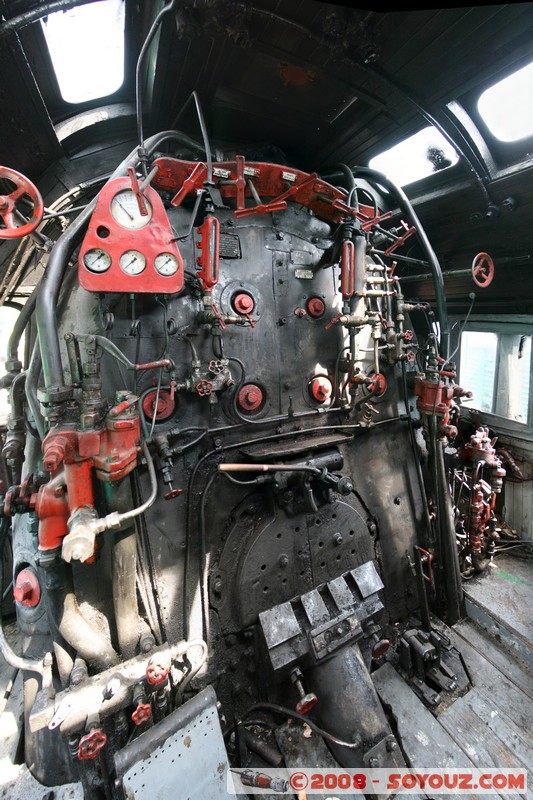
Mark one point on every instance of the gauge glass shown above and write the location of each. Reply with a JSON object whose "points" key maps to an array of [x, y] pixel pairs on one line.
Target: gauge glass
{"points": [[97, 260], [166, 264], [132, 262], [125, 210]]}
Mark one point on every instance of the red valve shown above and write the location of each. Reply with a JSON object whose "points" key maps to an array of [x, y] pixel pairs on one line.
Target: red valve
{"points": [[320, 389], [250, 397], [204, 388], [482, 270], [408, 336], [27, 590], [142, 713], [316, 307], [91, 744], [7, 205], [156, 672], [378, 385], [172, 493], [307, 702], [243, 303]]}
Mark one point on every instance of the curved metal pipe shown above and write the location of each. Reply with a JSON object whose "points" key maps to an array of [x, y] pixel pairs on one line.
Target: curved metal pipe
{"points": [[22, 20], [66, 616], [438, 281]]}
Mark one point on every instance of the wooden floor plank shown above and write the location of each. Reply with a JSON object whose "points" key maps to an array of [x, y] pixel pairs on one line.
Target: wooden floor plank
{"points": [[485, 733], [514, 669]]}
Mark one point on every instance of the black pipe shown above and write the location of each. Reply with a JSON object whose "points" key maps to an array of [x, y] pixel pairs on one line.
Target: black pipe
{"points": [[403, 201], [67, 618], [447, 535], [22, 20], [19, 327]]}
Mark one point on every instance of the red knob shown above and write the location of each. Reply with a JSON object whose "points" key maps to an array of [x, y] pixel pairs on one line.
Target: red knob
{"points": [[142, 713], [243, 303], [316, 307], [91, 744], [320, 389], [156, 671], [250, 397], [27, 590], [307, 702], [380, 648]]}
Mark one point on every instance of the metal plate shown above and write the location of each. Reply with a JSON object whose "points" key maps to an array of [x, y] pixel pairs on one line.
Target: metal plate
{"points": [[186, 750]]}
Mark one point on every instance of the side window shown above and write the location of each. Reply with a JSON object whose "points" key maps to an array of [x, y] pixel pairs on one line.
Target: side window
{"points": [[496, 367]]}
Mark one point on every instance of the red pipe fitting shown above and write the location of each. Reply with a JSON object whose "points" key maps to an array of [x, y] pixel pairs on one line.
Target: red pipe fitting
{"points": [[27, 590], [316, 307], [243, 303], [250, 397], [320, 389]]}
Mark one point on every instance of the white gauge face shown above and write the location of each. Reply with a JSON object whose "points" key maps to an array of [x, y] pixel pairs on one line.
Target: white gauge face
{"points": [[97, 260], [166, 264], [125, 211], [132, 262]]}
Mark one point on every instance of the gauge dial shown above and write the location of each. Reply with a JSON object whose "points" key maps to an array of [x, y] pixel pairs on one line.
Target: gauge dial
{"points": [[166, 264], [97, 260], [132, 262], [125, 210]]}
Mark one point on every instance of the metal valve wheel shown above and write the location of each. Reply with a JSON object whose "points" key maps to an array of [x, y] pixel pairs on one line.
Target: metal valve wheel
{"points": [[8, 210], [482, 270]]}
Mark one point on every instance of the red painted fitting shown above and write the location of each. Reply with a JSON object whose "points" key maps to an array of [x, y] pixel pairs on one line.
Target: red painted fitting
{"points": [[307, 702], [27, 590], [250, 397], [316, 307], [243, 303], [380, 648], [378, 385], [142, 713], [156, 672], [165, 405], [320, 389], [91, 744]]}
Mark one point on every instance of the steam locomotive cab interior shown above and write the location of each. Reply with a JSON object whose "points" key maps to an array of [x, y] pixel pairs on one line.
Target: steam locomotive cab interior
{"points": [[267, 435]]}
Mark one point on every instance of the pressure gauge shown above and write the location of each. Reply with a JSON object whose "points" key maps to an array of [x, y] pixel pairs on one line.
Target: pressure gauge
{"points": [[125, 210], [97, 260], [166, 264], [132, 262]]}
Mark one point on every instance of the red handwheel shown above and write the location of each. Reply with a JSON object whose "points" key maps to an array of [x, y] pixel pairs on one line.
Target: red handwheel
{"points": [[482, 270], [8, 216]]}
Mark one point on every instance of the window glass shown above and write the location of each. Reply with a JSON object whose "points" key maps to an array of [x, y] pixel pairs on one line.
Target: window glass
{"points": [[416, 157], [496, 367], [86, 45], [507, 107]]}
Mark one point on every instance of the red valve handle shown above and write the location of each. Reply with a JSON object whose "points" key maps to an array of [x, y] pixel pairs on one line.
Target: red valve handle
{"points": [[482, 270], [91, 744], [7, 205], [142, 713]]}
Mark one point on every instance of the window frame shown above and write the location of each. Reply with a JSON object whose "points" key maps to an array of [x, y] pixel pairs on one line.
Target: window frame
{"points": [[520, 326]]}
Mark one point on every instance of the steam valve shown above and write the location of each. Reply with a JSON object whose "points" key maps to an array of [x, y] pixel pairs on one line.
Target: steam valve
{"points": [[157, 672], [91, 744], [27, 591], [321, 389], [308, 700], [142, 713]]}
